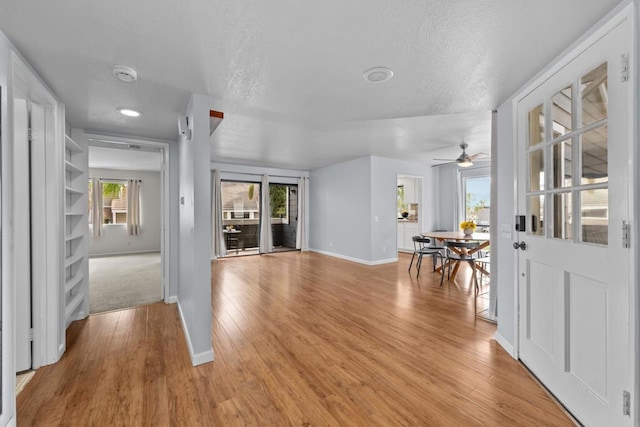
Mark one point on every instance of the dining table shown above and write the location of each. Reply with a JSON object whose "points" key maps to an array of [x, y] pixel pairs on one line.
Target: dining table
{"points": [[441, 236]]}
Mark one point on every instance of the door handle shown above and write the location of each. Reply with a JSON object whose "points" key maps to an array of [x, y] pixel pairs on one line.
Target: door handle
{"points": [[522, 245]]}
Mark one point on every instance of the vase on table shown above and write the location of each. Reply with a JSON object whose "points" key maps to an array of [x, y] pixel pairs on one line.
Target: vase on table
{"points": [[467, 231]]}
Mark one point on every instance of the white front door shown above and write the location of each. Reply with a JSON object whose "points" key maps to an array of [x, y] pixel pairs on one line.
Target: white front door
{"points": [[575, 187]]}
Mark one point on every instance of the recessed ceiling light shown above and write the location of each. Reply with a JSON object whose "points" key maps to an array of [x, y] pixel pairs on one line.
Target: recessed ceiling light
{"points": [[126, 74], [129, 112], [377, 74]]}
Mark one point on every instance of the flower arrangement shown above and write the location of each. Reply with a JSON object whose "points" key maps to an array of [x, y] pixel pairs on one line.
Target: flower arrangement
{"points": [[468, 224]]}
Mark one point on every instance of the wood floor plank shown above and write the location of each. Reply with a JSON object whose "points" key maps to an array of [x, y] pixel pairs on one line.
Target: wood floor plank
{"points": [[299, 339]]}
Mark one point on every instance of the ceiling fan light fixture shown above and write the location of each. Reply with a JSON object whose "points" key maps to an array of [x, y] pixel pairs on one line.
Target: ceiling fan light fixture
{"points": [[464, 160]]}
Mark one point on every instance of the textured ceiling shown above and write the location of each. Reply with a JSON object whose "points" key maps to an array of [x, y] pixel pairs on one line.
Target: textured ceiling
{"points": [[288, 74]]}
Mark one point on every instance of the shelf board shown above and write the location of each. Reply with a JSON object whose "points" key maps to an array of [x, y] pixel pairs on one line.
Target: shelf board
{"points": [[73, 282], [73, 305], [72, 168], [73, 190], [73, 259], [74, 236], [71, 145]]}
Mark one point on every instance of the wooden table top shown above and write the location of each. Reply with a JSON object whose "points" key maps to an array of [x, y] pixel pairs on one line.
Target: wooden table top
{"points": [[456, 235]]}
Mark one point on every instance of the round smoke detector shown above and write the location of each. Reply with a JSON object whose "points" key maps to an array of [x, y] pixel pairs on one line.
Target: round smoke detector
{"points": [[126, 74], [377, 74]]}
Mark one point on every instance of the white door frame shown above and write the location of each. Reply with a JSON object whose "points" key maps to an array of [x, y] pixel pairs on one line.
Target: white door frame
{"points": [[165, 223], [48, 330], [625, 10]]}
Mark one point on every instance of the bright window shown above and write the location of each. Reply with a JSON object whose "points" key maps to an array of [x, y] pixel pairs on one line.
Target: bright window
{"points": [[477, 200], [279, 201], [114, 202]]}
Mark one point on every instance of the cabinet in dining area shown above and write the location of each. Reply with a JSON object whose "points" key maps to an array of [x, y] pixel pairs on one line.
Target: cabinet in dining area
{"points": [[406, 231]]}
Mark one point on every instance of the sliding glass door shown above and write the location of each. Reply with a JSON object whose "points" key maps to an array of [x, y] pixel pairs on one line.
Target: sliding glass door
{"points": [[241, 209], [241, 217], [283, 199]]}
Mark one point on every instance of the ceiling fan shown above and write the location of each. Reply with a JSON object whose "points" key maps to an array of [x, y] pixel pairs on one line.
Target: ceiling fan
{"points": [[465, 160]]}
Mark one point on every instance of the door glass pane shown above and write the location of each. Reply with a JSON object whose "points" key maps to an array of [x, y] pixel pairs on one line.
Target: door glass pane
{"points": [[593, 153], [594, 213], [241, 217], [283, 202], [478, 201], [562, 164], [536, 213], [536, 126], [562, 216], [594, 95], [561, 112], [536, 170]]}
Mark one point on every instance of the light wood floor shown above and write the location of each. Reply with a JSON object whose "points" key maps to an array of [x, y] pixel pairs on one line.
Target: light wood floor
{"points": [[299, 339]]}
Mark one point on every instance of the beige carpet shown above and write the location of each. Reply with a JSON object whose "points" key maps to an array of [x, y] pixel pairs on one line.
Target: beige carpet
{"points": [[123, 281]]}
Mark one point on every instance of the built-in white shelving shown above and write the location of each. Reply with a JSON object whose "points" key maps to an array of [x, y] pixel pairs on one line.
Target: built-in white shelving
{"points": [[75, 210]]}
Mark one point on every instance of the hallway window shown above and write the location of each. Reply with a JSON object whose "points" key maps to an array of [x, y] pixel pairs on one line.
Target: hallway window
{"points": [[114, 201]]}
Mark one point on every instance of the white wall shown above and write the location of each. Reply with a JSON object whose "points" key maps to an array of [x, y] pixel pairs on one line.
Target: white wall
{"points": [[194, 287], [446, 189], [505, 278], [353, 208], [114, 239], [6, 132], [339, 210]]}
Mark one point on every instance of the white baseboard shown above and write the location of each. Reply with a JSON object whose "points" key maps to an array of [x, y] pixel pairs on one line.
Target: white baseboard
{"points": [[505, 344], [196, 358], [171, 300], [352, 259], [383, 261]]}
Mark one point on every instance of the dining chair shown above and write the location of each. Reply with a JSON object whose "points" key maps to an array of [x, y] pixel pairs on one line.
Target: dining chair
{"points": [[420, 248], [484, 263], [461, 251]]}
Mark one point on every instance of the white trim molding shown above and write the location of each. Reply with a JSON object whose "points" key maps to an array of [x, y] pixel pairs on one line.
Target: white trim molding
{"points": [[196, 358], [352, 259], [506, 345]]}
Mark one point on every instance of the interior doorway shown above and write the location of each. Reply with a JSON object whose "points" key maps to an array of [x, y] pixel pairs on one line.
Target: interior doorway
{"points": [[127, 255]]}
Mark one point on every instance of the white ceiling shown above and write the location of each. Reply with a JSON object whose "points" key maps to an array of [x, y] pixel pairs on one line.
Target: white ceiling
{"points": [[288, 75]]}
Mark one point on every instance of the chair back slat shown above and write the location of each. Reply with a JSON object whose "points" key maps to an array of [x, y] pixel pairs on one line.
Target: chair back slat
{"points": [[461, 245]]}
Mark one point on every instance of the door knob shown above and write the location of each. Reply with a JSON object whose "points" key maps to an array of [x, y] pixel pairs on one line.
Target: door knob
{"points": [[522, 245]]}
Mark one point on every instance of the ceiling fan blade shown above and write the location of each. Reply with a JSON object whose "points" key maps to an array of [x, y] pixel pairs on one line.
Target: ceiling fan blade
{"points": [[446, 160], [480, 156], [453, 162]]}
